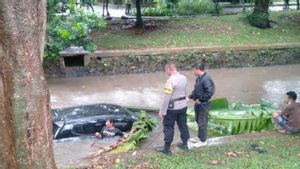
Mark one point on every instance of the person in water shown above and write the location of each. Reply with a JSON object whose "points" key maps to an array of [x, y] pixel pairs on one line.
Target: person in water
{"points": [[289, 118], [108, 131]]}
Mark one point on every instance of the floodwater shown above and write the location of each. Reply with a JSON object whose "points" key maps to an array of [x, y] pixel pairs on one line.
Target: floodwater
{"points": [[247, 85], [74, 150]]}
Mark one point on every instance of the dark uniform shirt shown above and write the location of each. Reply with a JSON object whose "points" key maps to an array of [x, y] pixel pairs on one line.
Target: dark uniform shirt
{"points": [[107, 132], [204, 88]]}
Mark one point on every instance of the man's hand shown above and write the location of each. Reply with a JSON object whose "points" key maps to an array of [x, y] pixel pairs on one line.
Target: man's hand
{"points": [[160, 115], [197, 101], [187, 100]]}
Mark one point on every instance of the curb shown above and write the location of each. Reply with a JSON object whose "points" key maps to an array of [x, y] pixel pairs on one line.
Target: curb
{"points": [[196, 49]]}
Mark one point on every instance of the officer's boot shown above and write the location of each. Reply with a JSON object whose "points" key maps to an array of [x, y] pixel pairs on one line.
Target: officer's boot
{"points": [[183, 146], [165, 149]]}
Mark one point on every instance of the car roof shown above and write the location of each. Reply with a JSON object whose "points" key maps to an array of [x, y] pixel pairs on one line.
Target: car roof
{"points": [[85, 111]]}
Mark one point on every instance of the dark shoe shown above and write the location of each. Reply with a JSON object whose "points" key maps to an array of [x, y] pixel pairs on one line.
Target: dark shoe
{"points": [[183, 146], [163, 150]]}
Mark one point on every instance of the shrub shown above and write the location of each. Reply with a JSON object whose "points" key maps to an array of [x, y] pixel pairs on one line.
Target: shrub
{"points": [[183, 7], [259, 19], [192, 7], [159, 11], [64, 31]]}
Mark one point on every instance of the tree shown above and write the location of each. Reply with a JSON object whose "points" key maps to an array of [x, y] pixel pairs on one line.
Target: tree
{"points": [[260, 16], [139, 22], [25, 124]]}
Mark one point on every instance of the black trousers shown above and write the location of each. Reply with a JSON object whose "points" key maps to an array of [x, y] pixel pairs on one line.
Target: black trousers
{"points": [[201, 117], [169, 122]]}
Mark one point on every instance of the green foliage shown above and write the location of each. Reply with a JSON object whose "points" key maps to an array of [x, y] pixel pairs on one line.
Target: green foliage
{"points": [[219, 103], [64, 31], [259, 19], [282, 152], [236, 119], [193, 7], [141, 128], [207, 31], [161, 10], [182, 7]]}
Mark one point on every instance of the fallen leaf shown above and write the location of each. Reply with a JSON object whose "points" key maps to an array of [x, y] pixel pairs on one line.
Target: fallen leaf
{"points": [[214, 162], [232, 154], [118, 160], [134, 153]]}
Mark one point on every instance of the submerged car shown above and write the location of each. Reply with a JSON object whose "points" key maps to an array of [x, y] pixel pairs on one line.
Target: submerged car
{"points": [[89, 119]]}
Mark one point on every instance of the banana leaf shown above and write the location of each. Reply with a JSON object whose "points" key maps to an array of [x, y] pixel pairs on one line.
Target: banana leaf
{"points": [[237, 118], [141, 128]]}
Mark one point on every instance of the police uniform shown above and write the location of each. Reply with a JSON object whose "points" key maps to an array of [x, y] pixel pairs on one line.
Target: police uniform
{"points": [[174, 108]]}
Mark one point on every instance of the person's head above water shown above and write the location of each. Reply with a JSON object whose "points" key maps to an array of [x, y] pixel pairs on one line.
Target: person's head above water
{"points": [[109, 123], [170, 68], [290, 97]]}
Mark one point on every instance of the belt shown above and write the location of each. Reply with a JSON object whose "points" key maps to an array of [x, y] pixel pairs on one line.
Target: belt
{"points": [[171, 103], [178, 99]]}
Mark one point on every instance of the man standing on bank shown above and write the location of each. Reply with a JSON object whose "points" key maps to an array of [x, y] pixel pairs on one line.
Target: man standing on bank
{"points": [[203, 91], [173, 109]]}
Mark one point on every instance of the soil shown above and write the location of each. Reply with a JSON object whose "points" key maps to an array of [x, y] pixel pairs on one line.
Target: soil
{"points": [[293, 19]]}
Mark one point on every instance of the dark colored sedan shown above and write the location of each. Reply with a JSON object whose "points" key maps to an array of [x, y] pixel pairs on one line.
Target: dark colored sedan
{"points": [[89, 119]]}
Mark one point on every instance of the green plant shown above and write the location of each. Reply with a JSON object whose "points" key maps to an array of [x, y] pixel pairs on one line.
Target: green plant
{"points": [[141, 127], [65, 31], [193, 7], [237, 118], [259, 19]]}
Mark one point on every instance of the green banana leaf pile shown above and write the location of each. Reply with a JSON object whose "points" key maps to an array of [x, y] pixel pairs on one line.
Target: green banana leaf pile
{"points": [[237, 118], [141, 128]]}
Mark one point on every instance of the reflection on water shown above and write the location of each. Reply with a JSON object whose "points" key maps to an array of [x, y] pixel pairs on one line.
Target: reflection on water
{"points": [[276, 88], [248, 85]]}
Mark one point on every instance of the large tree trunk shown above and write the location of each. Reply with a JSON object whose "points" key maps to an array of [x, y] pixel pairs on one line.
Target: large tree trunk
{"points": [[25, 120], [260, 16], [139, 21]]}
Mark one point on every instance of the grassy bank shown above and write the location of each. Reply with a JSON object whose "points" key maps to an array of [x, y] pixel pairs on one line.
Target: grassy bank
{"points": [[279, 152], [202, 31]]}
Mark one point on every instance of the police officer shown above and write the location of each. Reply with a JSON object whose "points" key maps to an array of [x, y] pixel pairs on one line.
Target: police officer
{"points": [[203, 91], [174, 108]]}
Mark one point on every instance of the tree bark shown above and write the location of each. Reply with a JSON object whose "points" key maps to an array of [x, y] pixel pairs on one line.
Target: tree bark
{"points": [[260, 16], [139, 21], [25, 125]]}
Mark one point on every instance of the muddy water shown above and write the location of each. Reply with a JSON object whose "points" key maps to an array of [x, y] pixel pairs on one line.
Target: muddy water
{"points": [[248, 85], [74, 150]]}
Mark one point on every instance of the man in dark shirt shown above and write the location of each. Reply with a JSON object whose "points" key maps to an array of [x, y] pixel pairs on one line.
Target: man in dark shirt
{"points": [[203, 91], [289, 118], [109, 131]]}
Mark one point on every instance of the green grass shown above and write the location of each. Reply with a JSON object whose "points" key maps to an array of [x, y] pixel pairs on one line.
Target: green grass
{"points": [[283, 152], [202, 31]]}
